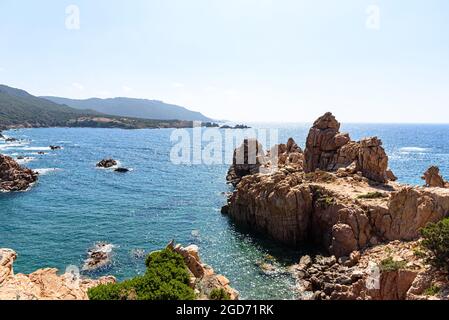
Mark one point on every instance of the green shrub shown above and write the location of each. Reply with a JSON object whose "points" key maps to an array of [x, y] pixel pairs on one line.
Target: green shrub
{"points": [[166, 278], [436, 240], [325, 202], [433, 290], [372, 195], [419, 253], [219, 294], [389, 265]]}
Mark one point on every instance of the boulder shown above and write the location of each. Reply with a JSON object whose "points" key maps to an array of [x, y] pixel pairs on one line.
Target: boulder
{"points": [[247, 160], [13, 177], [121, 170], [107, 163], [55, 147], [433, 178], [99, 256], [372, 160], [329, 150]]}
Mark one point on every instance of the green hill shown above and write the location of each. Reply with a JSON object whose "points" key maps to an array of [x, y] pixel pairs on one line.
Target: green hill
{"points": [[18, 108], [136, 108]]}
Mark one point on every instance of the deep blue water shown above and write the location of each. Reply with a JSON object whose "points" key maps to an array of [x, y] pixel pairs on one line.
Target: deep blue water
{"points": [[77, 205]]}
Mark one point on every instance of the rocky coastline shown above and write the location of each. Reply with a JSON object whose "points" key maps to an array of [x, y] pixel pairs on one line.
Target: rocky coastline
{"points": [[43, 284], [49, 284], [340, 196]]}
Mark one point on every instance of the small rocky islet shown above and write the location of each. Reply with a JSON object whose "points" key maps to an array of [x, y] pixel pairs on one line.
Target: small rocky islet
{"points": [[339, 195]]}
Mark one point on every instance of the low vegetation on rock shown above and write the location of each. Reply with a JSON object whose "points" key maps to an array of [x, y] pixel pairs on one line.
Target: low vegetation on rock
{"points": [[373, 195], [436, 240], [166, 278], [390, 265], [219, 294]]}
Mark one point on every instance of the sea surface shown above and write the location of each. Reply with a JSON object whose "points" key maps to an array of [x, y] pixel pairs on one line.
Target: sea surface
{"points": [[74, 204]]}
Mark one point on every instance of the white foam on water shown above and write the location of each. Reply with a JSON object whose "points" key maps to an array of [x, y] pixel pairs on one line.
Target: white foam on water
{"points": [[106, 248], [25, 160], [8, 146], [414, 149], [37, 148], [44, 171]]}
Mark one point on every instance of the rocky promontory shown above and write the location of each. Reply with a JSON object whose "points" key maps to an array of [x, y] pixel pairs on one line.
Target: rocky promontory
{"points": [[339, 196], [13, 177]]}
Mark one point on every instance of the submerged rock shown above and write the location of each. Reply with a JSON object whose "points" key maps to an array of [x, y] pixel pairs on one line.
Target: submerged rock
{"points": [[107, 163], [55, 147], [121, 170], [13, 177], [98, 257]]}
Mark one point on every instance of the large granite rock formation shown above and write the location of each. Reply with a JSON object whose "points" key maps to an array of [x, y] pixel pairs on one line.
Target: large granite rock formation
{"points": [[347, 207], [338, 214], [43, 284], [328, 149], [13, 177]]}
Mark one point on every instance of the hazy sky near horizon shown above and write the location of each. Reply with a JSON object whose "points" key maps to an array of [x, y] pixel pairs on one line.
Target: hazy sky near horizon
{"points": [[245, 60]]}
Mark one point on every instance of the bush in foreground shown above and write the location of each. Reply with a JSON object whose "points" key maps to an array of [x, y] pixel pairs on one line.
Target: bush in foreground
{"points": [[166, 278], [436, 240], [219, 294]]}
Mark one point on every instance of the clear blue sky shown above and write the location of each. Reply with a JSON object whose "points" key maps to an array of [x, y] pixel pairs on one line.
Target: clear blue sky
{"points": [[249, 60]]}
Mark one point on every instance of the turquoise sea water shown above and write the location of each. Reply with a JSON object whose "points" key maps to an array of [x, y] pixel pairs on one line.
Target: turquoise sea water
{"points": [[77, 204]]}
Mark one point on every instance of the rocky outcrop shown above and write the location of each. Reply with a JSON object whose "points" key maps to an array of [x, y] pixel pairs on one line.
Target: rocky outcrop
{"points": [[391, 271], [346, 207], [43, 284], [339, 214], [247, 160], [236, 127], [284, 155], [434, 179], [250, 158], [13, 177], [99, 256], [343, 199], [329, 150], [203, 278], [107, 163]]}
